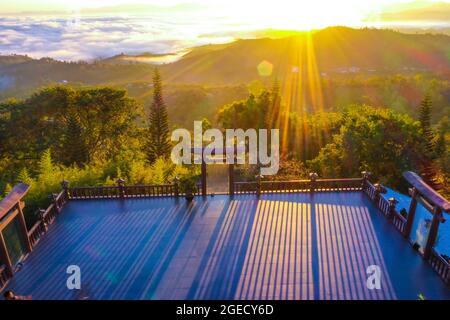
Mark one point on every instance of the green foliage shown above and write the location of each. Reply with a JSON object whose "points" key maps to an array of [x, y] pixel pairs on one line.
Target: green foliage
{"points": [[159, 139], [425, 123], [95, 121], [188, 184], [376, 140], [245, 114], [78, 152]]}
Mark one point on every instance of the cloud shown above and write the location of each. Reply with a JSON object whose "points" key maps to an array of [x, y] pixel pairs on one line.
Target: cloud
{"points": [[87, 37]]}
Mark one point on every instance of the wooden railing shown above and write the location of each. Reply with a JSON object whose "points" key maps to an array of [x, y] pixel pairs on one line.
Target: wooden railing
{"points": [[46, 218], [370, 190], [398, 221], [385, 206], [133, 191], [245, 187], [3, 276], [440, 265], [285, 186], [113, 192], [321, 185]]}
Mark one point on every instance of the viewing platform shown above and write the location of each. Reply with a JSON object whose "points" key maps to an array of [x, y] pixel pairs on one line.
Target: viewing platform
{"points": [[306, 239]]}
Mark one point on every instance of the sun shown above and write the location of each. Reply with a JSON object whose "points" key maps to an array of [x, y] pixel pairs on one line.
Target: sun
{"points": [[298, 15]]}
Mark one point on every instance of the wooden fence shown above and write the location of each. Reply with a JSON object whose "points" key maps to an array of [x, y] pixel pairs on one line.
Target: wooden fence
{"points": [[123, 191], [386, 206], [321, 185], [46, 217], [440, 265]]}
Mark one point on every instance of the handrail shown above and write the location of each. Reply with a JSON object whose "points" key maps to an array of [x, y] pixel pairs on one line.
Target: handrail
{"points": [[427, 192], [346, 184], [47, 217], [131, 191], [440, 265]]}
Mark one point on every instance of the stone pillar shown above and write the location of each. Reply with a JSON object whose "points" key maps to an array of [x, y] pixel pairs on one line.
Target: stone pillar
{"points": [[65, 186], [44, 224], [365, 179], [121, 184], [312, 178], [392, 203]]}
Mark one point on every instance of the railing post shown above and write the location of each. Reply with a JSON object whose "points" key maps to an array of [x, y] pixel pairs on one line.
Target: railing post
{"points": [[365, 179], [392, 203], [121, 184], [231, 179], [175, 186], [258, 184], [312, 178], [42, 219], [411, 212], [432, 234], [65, 186], [53, 197]]}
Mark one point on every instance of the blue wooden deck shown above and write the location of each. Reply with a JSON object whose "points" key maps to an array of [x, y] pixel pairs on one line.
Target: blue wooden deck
{"points": [[282, 246]]}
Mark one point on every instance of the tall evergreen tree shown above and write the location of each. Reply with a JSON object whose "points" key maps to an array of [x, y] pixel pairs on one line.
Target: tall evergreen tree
{"points": [[159, 143], [429, 169], [425, 122], [77, 153]]}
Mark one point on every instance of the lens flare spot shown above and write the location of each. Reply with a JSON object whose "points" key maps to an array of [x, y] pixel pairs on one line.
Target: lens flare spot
{"points": [[265, 68]]}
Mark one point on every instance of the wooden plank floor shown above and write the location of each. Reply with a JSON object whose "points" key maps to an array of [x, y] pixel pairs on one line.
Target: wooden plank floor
{"points": [[284, 246]]}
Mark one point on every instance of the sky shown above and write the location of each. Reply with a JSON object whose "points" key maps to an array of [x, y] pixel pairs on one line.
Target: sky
{"points": [[88, 29]]}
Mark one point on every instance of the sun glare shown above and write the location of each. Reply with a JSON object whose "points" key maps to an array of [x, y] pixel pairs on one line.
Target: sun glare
{"points": [[301, 15]]}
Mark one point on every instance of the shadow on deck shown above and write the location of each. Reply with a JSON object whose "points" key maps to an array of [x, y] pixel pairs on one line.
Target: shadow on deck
{"points": [[280, 246]]}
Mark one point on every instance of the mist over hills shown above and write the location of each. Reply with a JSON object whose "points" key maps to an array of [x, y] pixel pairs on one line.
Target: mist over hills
{"points": [[336, 50]]}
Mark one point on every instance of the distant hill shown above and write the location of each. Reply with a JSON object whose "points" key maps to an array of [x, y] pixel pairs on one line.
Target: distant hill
{"points": [[337, 50]]}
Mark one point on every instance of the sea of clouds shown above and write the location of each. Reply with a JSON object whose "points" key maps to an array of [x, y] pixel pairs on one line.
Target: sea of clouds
{"points": [[75, 37]]}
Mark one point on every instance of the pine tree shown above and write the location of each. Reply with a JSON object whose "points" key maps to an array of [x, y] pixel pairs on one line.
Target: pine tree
{"points": [[77, 152], [425, 123], [159, 143], [429, 170]]}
